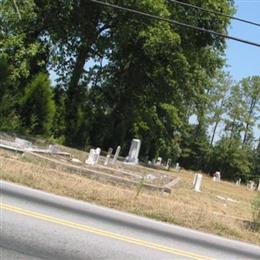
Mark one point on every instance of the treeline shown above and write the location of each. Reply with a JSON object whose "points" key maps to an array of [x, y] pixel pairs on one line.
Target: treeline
{"points": [[121, 76]]}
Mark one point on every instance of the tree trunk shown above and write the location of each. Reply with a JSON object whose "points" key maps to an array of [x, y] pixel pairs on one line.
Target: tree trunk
{"points": [[74, 97], [250, 112], [214, 132]]}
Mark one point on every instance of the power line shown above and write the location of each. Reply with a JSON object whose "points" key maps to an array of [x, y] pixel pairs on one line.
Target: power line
{"points": [[174, 22], [213, 12]]}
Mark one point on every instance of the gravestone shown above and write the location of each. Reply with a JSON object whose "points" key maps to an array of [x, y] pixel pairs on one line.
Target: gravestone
{"points": [[134, 152], [110, 150], [197, 182], [158, 161], [93, 156], [168, 164], [177, 167], [217, 176], [54, 148], [258, 189], [251, 185], [21, 143], [118, 149], [238, 182]]}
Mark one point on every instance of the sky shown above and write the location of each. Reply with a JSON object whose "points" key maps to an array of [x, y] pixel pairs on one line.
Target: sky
{"points": [[244, 60]]}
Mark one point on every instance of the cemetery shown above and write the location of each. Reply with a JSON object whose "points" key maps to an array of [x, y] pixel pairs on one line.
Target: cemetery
{"points": [[123, 171], [154, 189]]}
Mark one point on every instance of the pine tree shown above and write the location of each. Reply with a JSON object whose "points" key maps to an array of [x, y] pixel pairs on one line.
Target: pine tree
{"points": [[37, 106]]}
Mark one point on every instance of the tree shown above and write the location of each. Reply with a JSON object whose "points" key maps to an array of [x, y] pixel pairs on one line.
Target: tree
{"points": [[256, 162], [19, 57], [218, 96], [235, 113], [8, 99], [153, 65], [37, 106], [232, 159], [251, 95]]}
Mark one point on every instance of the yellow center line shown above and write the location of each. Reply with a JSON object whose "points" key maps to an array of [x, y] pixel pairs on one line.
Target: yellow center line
{"points": [[101, 232]]}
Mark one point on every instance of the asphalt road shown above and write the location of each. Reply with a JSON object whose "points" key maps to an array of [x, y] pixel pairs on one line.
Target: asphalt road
{"points": [[39, 225]]}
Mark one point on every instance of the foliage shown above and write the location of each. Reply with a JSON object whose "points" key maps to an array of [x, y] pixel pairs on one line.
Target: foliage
{"points": [[37, 106], [231, 159], [8, 115]]}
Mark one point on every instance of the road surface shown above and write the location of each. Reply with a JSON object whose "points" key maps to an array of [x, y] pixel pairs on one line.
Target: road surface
{"points": [[39, 225]]}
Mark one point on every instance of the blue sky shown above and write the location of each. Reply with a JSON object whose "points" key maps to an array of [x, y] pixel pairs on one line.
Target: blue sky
{"points": [[244, 60]]}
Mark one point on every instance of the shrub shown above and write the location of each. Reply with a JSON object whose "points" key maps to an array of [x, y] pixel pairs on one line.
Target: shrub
{"points": [[38, 106]]}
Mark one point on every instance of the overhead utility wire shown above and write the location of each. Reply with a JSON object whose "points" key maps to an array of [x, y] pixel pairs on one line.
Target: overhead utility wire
{"points": [[213, 12], [173, 22]]}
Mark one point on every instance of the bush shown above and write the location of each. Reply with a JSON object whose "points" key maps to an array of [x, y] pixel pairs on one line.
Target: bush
{"points": [[38, 106]]}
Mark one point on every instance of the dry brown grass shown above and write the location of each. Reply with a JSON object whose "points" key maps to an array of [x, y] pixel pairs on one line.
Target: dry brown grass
{"points": [[201, 211]]}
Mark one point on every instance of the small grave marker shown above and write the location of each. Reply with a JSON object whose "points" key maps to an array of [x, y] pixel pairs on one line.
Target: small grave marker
{"points": [[93, 156], [134, 152], [118, 149], [168, 164], [110, 150], [158, 161], [197, 182]]}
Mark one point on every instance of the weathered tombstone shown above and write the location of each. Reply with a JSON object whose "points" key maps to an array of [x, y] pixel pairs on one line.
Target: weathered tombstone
{"points": [[177, 167], [197, 182], [110, 150], [116, 154], [168, 164], [96, 155], [90, 159], [54, 148], [238, 182], [93, 156], [134, 152], [75, 160], [258, 189], [159, 161], [21, 143], [217, 176], [251, 185]]}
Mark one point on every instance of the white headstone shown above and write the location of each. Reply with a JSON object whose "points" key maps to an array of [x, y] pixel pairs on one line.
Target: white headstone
{"points": [[75, 160], [159, 161], [177, 167], [54, 148], [217, 176], [134, 152], [110, 150], [251, 185], [197, 182], [21, 143], [116, 154], [258, 189], [96, 155], [168, 165], [238, 182], [93, 156]]}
